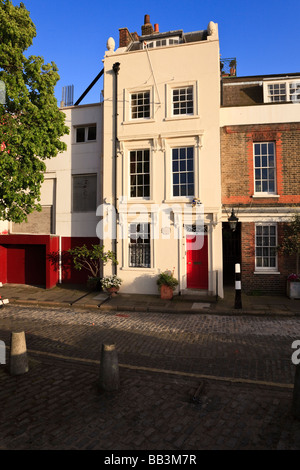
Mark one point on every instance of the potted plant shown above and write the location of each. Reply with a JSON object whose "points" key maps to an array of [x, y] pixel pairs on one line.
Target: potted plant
{"points": [[166, 283], [232, 66], [91, 259], [111, 284], [293, 286], [290, 245]]}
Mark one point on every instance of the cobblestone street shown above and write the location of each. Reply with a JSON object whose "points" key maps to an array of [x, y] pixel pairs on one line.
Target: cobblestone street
{"points": [[244, 364]]}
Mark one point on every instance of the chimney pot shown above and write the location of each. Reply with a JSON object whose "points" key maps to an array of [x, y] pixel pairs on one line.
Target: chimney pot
{"points": [[147, 19], [156, 27]]}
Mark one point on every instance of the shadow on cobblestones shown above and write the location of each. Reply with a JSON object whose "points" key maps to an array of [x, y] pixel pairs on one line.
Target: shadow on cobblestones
{"points": [[57, 405]]}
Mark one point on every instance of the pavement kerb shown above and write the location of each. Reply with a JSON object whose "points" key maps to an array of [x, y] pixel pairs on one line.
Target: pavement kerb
{"points": [[124, 308]]}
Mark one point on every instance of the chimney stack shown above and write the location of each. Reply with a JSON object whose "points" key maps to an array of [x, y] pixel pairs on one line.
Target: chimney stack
{"points": [[124, 37], [147, 27]]}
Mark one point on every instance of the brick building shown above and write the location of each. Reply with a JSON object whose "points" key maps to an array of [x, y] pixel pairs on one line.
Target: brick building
{"points": [[260, 143]]}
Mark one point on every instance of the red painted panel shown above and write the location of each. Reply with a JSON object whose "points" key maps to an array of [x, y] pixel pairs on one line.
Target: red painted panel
{"points": [[69, 273], [26, 264], [3, 264], [52, 274], [25, 259], [197, 262], [16, 264]]}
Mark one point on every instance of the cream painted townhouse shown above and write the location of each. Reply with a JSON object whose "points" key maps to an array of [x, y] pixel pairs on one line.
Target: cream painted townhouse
{"points": [[161, 152]]}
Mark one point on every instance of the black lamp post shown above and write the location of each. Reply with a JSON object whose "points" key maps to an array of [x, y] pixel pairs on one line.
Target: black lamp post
{"points": [[233, 220]]}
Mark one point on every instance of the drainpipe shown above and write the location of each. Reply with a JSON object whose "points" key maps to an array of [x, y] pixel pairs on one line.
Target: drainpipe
{"points": [[59, 262], [116, 69]]}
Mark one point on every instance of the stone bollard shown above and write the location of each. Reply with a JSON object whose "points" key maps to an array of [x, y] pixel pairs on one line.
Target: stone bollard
{"points": [[18, 354], [109, 368]]}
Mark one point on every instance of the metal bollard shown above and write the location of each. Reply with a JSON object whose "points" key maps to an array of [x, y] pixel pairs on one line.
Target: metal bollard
{"points": [[238, 287], [18, 354], [109, 368]]}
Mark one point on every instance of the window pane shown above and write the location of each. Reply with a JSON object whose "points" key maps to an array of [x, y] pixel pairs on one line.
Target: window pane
{"points": [[139, 245], [265, 246], [92, 133], [264, 161], [183, 100], [80, 134], [183, 174], [84, 193], [140, 105], [139, 173]]}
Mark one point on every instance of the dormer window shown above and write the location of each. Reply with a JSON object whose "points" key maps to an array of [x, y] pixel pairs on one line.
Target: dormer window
{"points": [[161, 42], [282, 91]]}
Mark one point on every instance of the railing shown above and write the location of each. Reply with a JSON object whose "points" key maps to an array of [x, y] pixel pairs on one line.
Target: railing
{"points": [[139, 255], [228, 67]]}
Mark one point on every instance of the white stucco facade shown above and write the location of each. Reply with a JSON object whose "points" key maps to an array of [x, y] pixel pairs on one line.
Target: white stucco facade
{"points": [[81, 159], [156, 73]]}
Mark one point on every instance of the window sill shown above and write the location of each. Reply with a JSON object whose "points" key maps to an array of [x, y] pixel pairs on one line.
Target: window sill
{"points": [[138, 121], [138, 200], [265, 195], [85, 142], [148, 270], [266, 272], [181, 116], [179, 200]]}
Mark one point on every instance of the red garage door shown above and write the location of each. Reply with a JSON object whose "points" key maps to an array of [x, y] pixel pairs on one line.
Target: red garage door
{"points": [[26, 264]]}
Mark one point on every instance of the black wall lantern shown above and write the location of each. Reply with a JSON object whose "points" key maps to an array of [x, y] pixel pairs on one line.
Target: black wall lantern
{"points": [[233, 220]]}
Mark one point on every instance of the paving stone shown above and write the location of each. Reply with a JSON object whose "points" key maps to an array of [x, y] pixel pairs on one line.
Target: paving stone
{"points": [[59, 407]]}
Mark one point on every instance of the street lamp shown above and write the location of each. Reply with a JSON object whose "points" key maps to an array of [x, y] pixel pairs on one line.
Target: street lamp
{"points": [[233, 220]]}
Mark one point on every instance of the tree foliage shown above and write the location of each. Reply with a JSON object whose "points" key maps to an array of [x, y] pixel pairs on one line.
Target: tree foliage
{"points": [[31, 123], [92, 258]]}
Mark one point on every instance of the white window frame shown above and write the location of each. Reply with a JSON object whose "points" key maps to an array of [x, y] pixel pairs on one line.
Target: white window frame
{"points": [[264, 158], [86, 128], [174, 40], [139, 173], [169, 100], [289, 86], [127, 110], [143, 243], [266, 269], [181, 172], [183, 104], [140, 108]]}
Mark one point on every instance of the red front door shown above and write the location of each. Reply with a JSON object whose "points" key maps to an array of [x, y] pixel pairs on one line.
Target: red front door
{"points": [[197, 262]]}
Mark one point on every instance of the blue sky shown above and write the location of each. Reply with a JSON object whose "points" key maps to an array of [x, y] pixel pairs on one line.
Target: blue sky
{"points": [[262, 35]]}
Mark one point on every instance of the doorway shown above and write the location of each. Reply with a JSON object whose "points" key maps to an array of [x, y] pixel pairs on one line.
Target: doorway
{"points": [[197, 261], [231, 251]]}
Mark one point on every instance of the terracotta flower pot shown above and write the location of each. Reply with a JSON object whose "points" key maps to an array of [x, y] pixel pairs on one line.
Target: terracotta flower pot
{"points": [[166, 292], [112, 291]]}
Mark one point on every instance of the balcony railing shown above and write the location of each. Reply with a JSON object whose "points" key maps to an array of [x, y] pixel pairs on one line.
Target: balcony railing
{"points": [[228, 67]]}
